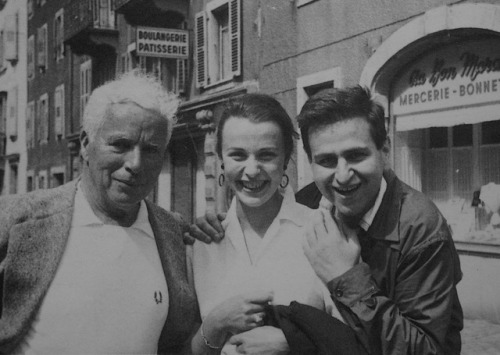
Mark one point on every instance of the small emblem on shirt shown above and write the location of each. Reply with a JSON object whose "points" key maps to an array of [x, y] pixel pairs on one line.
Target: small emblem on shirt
{"points": [[158, 297]]}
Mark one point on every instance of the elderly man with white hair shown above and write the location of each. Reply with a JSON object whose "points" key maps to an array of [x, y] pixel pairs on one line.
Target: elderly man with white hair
{"points": [[91, 267]]}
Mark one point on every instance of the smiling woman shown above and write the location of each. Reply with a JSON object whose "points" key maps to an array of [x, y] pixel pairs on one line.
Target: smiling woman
{"points": [[261, 260]]}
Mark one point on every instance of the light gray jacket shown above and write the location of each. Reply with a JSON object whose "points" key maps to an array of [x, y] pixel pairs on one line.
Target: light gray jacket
{"points": [[34, 229]]}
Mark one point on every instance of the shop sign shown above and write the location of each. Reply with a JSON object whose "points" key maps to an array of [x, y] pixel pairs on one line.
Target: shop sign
{"points": [[460, 75], [162, 42]]}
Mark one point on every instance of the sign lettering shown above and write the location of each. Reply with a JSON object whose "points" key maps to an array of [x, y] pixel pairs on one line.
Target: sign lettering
{"points": [[162, 42]]}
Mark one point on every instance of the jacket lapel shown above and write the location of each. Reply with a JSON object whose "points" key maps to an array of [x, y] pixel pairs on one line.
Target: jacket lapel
{"points": [[182, 309]]}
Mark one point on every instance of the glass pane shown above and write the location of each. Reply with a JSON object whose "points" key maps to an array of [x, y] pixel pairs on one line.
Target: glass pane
{"points": [[487, 226], [462, 135], [437, 175], [462, 173], [490, 132], [438, 137], [489, 158]]}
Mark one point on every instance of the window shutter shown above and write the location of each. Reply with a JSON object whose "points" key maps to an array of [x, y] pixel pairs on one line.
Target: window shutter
{"points": [[59, 111], [30, 8], [58, 35], [201, 49], [12, 114], [182, 74], [46, 119], [235, 28], [42, 43], [30, 113], [31, 57], [11, 38], [39, 124]]}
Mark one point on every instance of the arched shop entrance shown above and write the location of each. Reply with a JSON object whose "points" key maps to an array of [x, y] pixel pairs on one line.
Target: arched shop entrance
{"points": [[439, 78]]}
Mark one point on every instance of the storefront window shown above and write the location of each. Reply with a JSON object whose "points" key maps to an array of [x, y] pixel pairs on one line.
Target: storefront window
{"points": [[447, 135]]}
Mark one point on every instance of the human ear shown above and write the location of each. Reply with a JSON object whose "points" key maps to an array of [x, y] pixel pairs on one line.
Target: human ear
{"points": [[84, 142]]}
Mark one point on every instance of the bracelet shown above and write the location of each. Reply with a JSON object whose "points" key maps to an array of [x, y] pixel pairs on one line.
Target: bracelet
{"points": [[205, 339]]}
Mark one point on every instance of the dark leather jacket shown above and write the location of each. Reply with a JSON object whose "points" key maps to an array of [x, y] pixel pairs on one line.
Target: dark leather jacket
{"points": [[402, 299]]}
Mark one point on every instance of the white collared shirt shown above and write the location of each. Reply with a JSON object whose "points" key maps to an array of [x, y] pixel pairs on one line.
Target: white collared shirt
{"points": [[109, 294], [368, 217], [225, 269]]}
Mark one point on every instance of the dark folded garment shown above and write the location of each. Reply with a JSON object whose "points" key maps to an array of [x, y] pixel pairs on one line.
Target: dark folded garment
{"points": [[311, 331]]}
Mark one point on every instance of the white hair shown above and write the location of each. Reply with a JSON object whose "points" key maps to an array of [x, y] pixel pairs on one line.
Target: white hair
{"points": [[134, 87]]}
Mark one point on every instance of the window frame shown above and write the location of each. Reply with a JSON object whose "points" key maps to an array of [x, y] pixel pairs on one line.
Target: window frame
{"points": [[43, 114], [30, 124], [31, 65], [85, 85], [207, 56], [42, 48], [59, 35], [13, 112], [59, 119]]}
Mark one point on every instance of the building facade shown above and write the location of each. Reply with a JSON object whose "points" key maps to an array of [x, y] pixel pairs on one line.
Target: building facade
{"points": [[49, 125], [435, 67], [13, 95]]}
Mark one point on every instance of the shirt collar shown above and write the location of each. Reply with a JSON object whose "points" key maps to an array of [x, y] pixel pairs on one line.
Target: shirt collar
{"points": [[288, 210], [368, 217], [84, 216]]}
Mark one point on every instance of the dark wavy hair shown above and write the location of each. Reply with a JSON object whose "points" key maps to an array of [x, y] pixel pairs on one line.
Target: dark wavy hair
{"points": [[258, 108], [334, 105]]}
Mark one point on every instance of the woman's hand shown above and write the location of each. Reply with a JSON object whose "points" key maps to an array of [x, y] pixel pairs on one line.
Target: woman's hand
{"points": [[239, 313], [261, 341]]}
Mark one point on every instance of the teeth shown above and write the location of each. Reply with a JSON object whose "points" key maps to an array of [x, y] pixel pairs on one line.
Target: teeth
{"points": [[252, 184], [347, 189]]}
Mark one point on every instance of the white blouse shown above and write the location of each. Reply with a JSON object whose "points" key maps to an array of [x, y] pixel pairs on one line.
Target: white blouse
{"points": [[225, 269]]}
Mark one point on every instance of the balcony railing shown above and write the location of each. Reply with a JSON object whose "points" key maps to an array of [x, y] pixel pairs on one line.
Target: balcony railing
{"points": [[89, 23], [153, 13]]}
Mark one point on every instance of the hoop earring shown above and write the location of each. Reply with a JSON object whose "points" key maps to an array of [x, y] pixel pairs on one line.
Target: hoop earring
{"points": [[283, 185], [222, 179]]}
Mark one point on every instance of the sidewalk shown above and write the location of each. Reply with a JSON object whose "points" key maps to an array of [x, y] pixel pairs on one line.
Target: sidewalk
{"points": [[480, 337]]}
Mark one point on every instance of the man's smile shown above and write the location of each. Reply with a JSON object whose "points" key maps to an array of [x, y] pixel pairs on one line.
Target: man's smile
{"points": [[347, 190]]}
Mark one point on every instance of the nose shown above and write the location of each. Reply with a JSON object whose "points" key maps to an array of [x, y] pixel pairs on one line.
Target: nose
{"points": [[252, 167], [133, 160], [343, 172]]}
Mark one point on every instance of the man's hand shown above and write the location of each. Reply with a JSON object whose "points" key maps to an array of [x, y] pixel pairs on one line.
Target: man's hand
{"points": [[206, 229], [262, 340], [329, 251]]}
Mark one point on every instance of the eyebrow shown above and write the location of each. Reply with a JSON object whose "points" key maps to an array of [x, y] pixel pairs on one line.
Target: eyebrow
{"points": [[348, 151]]}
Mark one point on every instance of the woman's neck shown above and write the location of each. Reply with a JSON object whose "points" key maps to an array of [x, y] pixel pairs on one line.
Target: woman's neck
{"points": [[259, 218]]}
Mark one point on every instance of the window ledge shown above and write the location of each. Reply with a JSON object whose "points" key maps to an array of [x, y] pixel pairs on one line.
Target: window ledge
{"points": [[479, 249], [223, 84], [301, 3], [219, 86]]}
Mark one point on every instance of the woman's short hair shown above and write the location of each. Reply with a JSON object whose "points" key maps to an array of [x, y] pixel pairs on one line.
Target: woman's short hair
{"points": [[334, 105], [258, 108], [134, 87]]}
